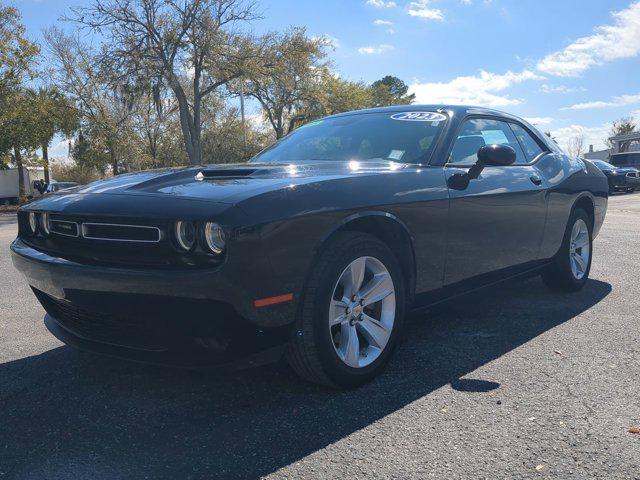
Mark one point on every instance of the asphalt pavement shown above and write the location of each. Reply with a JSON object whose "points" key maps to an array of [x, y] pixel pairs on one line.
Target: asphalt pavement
{"points": [[515, 382]]}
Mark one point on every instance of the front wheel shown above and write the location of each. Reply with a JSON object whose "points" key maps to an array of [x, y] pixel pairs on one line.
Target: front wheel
{"points": [[351, 312], [572, 264]]}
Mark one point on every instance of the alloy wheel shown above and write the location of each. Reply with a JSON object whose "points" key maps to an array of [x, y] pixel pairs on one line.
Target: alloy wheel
{"points": [[362, 312], [579, 249]]}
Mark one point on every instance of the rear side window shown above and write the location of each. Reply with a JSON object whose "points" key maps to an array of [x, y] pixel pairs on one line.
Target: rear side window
{"points": [[477, 133], [531, 147]]}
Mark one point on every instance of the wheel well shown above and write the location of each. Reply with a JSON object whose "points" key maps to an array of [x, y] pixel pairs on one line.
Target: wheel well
{"points": [[396, 237], [586, 204]]}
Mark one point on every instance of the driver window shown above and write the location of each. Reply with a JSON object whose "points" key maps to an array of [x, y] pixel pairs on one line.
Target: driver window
{"points": [[477, 133]]}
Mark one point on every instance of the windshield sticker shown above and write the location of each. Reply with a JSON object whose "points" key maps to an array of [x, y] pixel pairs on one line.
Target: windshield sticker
{"points": [[419, 117], [312, 124], [396, 154]]}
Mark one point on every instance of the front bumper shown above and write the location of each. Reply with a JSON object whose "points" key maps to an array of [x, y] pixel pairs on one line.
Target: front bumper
{"points": [[56, 276], [191, 359], [152, 314], [623, 181]]}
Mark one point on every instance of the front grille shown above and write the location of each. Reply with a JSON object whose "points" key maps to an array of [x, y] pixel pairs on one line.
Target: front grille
{"points": [[121, 233], [632, 174]]}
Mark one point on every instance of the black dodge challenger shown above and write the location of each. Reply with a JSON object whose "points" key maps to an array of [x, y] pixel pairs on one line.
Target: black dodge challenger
{"points": [[315, 248]]}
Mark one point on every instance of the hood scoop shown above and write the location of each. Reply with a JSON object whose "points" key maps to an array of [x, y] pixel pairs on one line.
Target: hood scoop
{"points": [[215, 173]]}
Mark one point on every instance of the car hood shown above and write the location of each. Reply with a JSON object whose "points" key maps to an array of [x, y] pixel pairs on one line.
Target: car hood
{"points": [[230, 183]]}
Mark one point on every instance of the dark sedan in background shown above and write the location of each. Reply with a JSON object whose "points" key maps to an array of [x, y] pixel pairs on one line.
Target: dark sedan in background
{"points": [[317, 247], [621, 179]]}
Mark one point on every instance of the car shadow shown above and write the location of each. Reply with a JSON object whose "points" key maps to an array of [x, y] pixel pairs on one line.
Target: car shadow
{"points": [[67, 414]]}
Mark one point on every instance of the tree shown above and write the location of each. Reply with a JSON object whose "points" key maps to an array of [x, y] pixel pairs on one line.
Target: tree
{"points": [[18, 131], [621, 127], [17, 53], [390, 91], [576, 147], [292, 62], [226, 140], [53, 113], [105, 111], [17, 62], [331, 95], [191, 44]]}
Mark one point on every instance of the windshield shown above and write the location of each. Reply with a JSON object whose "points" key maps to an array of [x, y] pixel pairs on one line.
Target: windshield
{"points": [[625, 158], [407, 137]]}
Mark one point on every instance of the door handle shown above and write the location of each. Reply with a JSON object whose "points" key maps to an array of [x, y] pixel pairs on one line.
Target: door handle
{"points": [[536, 180]]}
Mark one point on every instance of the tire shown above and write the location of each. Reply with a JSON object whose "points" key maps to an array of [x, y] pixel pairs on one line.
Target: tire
{"points": [[316, 350], [566, 274]]}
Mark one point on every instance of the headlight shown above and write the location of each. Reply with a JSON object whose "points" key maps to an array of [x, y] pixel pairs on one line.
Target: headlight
{"points": [[44, 223], [214, 237], [33, 224], [185, 234]]}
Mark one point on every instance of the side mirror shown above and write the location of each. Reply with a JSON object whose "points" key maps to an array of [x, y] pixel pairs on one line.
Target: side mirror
{"points": [[496, 155]]}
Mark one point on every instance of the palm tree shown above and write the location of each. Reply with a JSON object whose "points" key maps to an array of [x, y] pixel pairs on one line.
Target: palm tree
{"points": [[53, 114]]}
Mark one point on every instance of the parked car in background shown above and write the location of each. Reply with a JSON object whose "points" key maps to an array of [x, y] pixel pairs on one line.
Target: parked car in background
{"points": [[57, 186], [626, 159], [625, 179], [318, 246]]}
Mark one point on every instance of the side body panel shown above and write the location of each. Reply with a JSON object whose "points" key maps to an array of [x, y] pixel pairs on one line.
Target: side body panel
{"points": [[497, 222], [415, 198]]}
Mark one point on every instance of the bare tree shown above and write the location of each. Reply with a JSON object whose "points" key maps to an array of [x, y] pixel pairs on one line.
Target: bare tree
{"points": [[621, 127], [106, 109], [191, 44], [576, 147]]}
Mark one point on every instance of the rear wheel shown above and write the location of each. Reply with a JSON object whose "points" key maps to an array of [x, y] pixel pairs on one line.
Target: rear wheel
{"points": [[351, 313], [572, 264]]}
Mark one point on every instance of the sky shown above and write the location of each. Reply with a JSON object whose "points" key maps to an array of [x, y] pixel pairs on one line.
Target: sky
{"points": [[568, 66]]}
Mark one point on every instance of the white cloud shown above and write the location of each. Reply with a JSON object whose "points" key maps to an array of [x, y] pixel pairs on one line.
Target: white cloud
{"points": [[539, 121], [375, 50], [59, 150], [595, 136], [383, 22], [620, 101], [382, 3], [608, 43], [420, 8], [479, 90], [547, 88]]}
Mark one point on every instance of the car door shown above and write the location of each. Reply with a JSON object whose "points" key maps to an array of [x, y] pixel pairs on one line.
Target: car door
{"points": [[498, 220]]}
